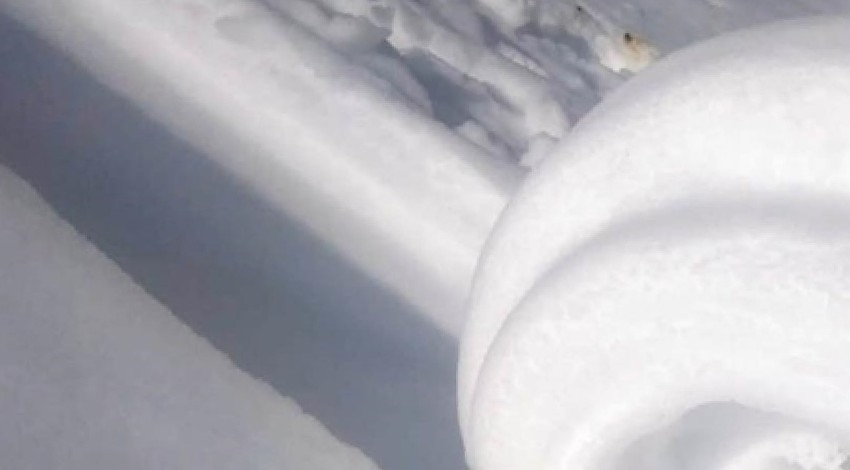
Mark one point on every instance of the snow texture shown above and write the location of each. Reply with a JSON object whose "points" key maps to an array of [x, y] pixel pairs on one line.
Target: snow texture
{"points": [[283, 305], [402, 197], [672, 24], [96, 374], [520, 70], [381, 138], [687, 247]]}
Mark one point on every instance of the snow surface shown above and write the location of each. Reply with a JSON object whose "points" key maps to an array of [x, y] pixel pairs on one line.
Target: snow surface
{"points": [[507, 76], [286, 308], [398, 195], [96, 374], [348, 159], [522, 70], [686, 245]]}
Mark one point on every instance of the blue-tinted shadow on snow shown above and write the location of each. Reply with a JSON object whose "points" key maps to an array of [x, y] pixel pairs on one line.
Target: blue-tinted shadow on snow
{"points": [[279, 302]]}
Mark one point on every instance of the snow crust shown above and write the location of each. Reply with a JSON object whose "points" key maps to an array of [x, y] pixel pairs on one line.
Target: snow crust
{"points": [[687, 245], [96, 374]]}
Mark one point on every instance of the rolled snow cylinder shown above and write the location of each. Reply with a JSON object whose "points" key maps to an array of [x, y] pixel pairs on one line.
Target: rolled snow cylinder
{"points": [[314, 137], [670, 288]]}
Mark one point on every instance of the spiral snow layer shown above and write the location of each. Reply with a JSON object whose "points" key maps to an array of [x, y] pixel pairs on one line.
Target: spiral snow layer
{"points": [[671, 289]]}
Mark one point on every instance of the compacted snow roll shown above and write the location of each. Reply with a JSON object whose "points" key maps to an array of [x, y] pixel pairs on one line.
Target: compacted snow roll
{"points": [[671, 289], [96, 374]]}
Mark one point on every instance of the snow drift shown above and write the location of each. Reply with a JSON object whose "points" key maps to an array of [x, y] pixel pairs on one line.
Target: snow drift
{"points": [[310, 133], [670, 288], [96, 374]]}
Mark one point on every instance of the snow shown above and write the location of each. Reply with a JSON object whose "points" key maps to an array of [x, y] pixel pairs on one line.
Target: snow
{"points": [[399, 196], [283, 305], [96, 374], [366, 148], [528, 69], [673, 24], [437, 42], [686, 245]]}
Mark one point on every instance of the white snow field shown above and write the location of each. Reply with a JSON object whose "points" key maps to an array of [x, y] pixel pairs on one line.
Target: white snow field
{"points": [[308, 185], [669, 290], [96, 374]]}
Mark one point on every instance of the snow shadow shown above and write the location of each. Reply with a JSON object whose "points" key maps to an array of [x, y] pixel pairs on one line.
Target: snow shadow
{"points": [[281, 304]]}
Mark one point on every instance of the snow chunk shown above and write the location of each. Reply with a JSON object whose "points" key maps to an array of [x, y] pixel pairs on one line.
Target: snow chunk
{"points": [[96, 374], [527, 96], [686, 245]]}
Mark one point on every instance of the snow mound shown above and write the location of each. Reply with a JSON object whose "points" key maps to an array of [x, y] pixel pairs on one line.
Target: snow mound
{"points": [[96, 374], [685, 250]]}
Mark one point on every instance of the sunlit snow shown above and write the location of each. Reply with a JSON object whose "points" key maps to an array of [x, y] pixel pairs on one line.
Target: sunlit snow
{"points": [[308, 186], [699, 257]]}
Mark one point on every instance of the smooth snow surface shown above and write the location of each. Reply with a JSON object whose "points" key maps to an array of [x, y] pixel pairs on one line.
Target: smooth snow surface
{"points": [[688, 244], [96, 374], [282, 304], [402, 197]]}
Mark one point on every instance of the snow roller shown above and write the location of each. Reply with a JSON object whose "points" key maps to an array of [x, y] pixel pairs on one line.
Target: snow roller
{"points": [[671, 288]]}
